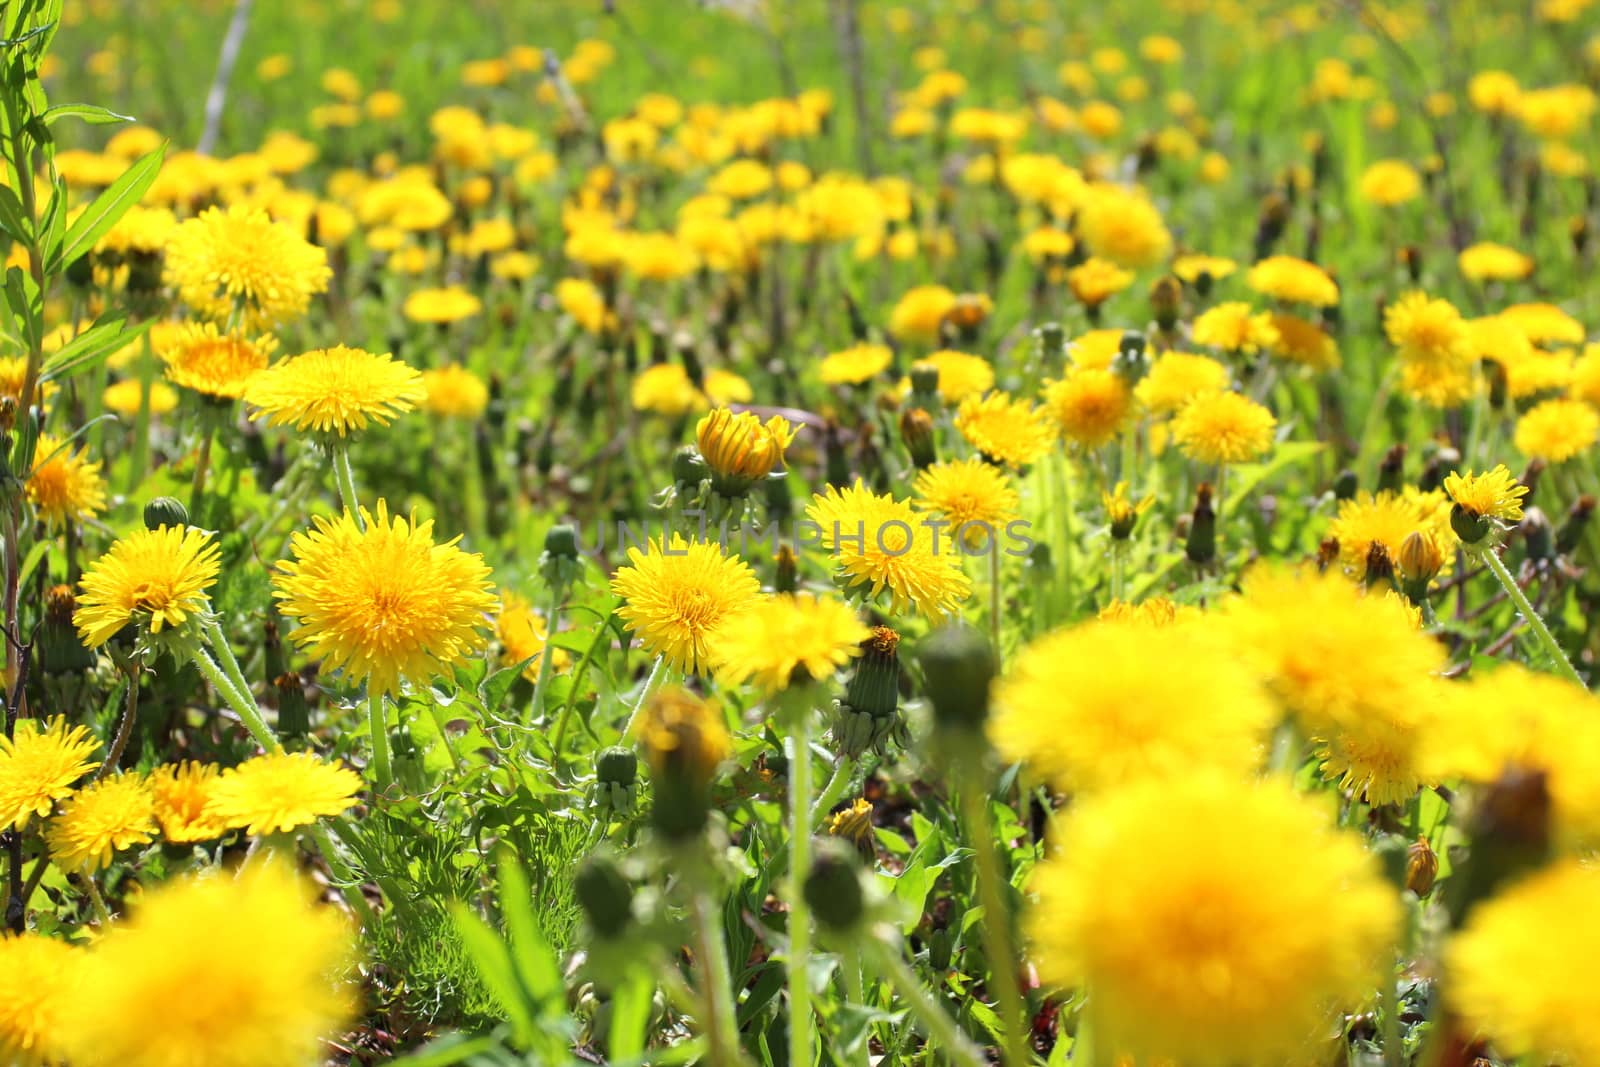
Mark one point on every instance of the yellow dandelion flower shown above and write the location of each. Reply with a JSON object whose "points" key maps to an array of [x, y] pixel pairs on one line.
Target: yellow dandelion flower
{"points": [[39, 764], [723, 387], [665, 389], [920, 313], [38, 975], [215, 364], [1390, 183], [1487, 261], [1557, 430], [441, 306], [242, 970], [1293, 281], [156, 579], [100, 820], [1304, 342], [1235, 327], [1224, 889], [1493, 494], [1177, 378], [240, 257], [975, 497], [740, 449], [785, 640], [1094, 281], [335, 390], [1424, 328], [1191, 267], [1090, 405], [1123, 226], [127, 396], [455, 392], [1122, 514], [1157, 611], [1387, 519], [854, 824], [1520, 969], [524, 637], [855, 365], [1544, 322], [64, 486], [281, 791], [1095, 350], [1005, 429], [882, 543], [677, 594], [583, 301], [182, 795], [375, 597], [1083, 707], [961, 375], [683, 736], [1223, 427]]}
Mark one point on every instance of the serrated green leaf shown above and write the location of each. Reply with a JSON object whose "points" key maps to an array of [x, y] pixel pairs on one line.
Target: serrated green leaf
{"points": [[107, 208]]}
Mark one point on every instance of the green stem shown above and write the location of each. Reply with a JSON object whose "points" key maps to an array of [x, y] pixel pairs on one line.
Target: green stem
{"points": [[958, 1047], [996, 925], [1117, 570], [1525, 608], [101, 912], [995, 597], [130, 713], [799, 867], [552, 617], [344, 477], [650, 684], [1389, 1005], [224, 650], [241, 703], [843, 772], [202, 466], [856, 990], [378, 723], [721, 1023]]}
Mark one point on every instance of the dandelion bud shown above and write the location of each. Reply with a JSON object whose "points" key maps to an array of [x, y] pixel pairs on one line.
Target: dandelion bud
{"points": [[616, 780], [1391, 472], [833, 886], [1345, 484], [925, 386], [1380, 565], [1419, 564], [1573, 525], [559, 563], [1132, 359], [1270, 224], [1422, 867], [836, 458], [1578, 227], [1410, 257], [1051, 339], [688, 469], [741, 449], [165, 511], [916, 432], [868, 718], [605, 895], [684, 739], [1529, 478], [1469, 527], [1537, 536], [957, 668], [61, 651], [1200, 546], [787, 578], [968, 313], [1166, 299]]}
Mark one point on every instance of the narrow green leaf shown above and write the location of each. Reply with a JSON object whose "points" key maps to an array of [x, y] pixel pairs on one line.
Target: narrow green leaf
{"points": [[630, 1018], [107, 208], [12, 220], [90, 113], [109, 334], [535, 960], [447, 1051], [492, 959]]}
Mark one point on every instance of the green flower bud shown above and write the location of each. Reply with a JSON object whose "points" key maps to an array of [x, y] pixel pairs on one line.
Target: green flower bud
{"points": [[605, 895], [833, 886], [617, 765], [957, 667], [165, 511], [1201, 545]]}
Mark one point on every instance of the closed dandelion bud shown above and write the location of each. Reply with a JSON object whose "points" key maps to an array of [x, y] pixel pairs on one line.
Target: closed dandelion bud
{"points": [[1269, 225], [854, 824], [1578, 227], [1537, 536], [1132, 359], [1200, 546], [925, 387], [1345, 484], [1391, 472], [1166, 298], [1529, 478], [941, 950], [616, 766], [1440, 464], [165, 511], [970, 311], [684, 739], [1411, 259], [836, 457], [786, 570], [294, 710], [1422, 867], [916, 432], [958, 667], [740, 449], [559, 563], [1572, 527], [1419, 564], [1467, 526], [61, 651], [688, 469], [868, 718], [1380, 566], [605, 895], [833, 887]]}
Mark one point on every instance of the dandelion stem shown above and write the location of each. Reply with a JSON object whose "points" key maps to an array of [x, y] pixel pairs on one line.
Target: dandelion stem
{"points": [[202, 466], [225, 657], [130, 712], [995, 597], [241, 703], [1526, 610], [1117, 570], [957, 1046], [378, 723], [344, 476], [843, 772], [799, 867], [650, 685], [553, 616], [721, 1025], [996, 925]]}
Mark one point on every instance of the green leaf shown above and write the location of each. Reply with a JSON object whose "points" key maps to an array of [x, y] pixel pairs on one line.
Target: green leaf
{"points": [[107, 208], [630, 1018], [109, 334], [535, 960], [90, 113], [492, 960], [12, 220], [447, 1051]]}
